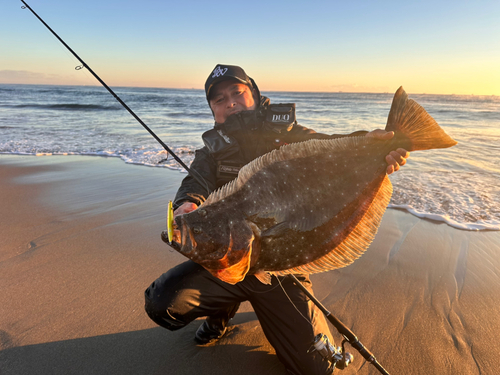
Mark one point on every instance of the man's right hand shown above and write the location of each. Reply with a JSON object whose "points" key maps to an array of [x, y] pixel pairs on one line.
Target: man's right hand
{"points": [[185, 208]]}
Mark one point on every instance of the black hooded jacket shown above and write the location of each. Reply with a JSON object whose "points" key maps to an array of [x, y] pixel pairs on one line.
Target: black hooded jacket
{"points": [[229, 146]]}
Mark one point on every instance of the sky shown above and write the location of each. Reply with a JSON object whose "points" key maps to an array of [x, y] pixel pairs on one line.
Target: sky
{"points": [[433, 47]]}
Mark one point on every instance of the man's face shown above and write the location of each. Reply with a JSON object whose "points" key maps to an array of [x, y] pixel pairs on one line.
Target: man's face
{"points": [[229, 97]]}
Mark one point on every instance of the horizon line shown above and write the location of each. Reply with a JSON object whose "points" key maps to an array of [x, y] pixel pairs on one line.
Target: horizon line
{"points": [[201, 89]]}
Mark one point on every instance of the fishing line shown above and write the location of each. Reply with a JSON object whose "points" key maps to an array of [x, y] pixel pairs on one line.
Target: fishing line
{"points": [[195, 175], [293, 304]]}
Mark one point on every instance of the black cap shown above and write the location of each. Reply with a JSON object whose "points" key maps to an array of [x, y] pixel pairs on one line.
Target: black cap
{"points": [[224, 72]]}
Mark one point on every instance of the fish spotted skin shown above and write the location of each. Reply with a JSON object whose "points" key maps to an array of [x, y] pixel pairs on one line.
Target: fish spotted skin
{"points": [[307, 207]]}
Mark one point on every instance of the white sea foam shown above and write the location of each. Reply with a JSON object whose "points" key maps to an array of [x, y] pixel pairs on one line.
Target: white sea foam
{"points": [[495, 226]]}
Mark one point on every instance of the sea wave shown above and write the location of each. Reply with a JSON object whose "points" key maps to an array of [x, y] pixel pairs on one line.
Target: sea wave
{"points": [[183, 115], [67, 107], [495, 226], [148, 158]]}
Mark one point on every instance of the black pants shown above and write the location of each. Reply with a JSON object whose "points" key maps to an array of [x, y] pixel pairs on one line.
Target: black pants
{"points": [[188, 291]]}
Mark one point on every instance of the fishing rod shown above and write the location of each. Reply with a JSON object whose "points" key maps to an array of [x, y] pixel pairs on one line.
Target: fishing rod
{"points": [[322, 346], [196, 176]]}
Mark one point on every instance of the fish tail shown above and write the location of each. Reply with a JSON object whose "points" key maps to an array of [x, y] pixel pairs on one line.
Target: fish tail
{"points": [[410, 118]]}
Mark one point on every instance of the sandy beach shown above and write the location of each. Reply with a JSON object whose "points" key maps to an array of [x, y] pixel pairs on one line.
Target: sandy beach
{"points": [[80, 242]]}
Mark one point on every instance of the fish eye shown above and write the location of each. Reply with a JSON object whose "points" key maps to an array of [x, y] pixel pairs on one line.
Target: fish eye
{"points": [[196, 230], [202, 212]]}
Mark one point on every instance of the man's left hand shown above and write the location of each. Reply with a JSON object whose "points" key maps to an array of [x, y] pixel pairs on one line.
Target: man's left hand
{"points": [[395, 159]]}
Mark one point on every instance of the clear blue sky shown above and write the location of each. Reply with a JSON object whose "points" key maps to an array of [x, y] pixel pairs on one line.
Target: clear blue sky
{"points": [[376, 46]]}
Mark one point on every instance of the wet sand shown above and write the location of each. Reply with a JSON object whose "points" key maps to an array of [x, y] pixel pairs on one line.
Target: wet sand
{"points": [[80, 241]]}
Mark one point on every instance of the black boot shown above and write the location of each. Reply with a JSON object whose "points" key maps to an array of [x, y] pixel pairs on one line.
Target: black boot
{"points": [[215, 326]]}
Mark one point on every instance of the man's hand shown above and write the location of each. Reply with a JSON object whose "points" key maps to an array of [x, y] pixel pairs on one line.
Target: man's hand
{"points": [[185, 208], [395, 159]]}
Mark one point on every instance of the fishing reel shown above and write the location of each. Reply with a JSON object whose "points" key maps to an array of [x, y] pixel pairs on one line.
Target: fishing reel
{"points": [[337, 356]]}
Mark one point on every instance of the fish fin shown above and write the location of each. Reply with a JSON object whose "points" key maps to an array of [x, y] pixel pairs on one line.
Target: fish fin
{"points": [[234, 266], [276, 230], [263, 277], [236, 272], [353, 246], [411, 119]]}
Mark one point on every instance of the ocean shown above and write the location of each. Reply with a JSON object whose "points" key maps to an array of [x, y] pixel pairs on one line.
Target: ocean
{"points": [[459, 186]]}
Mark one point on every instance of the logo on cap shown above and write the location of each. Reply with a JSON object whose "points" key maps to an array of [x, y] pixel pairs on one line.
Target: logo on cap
{"points": [[219, 72]]}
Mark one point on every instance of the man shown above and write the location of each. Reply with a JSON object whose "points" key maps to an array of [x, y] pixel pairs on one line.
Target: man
{"points": [[243, 131]]}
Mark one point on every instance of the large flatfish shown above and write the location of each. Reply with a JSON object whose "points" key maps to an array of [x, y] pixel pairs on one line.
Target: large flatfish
{"points": [[307, 207]]}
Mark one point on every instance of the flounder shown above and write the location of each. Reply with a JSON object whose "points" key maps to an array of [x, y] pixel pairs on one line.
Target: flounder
{"points": [[307, 207]]}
